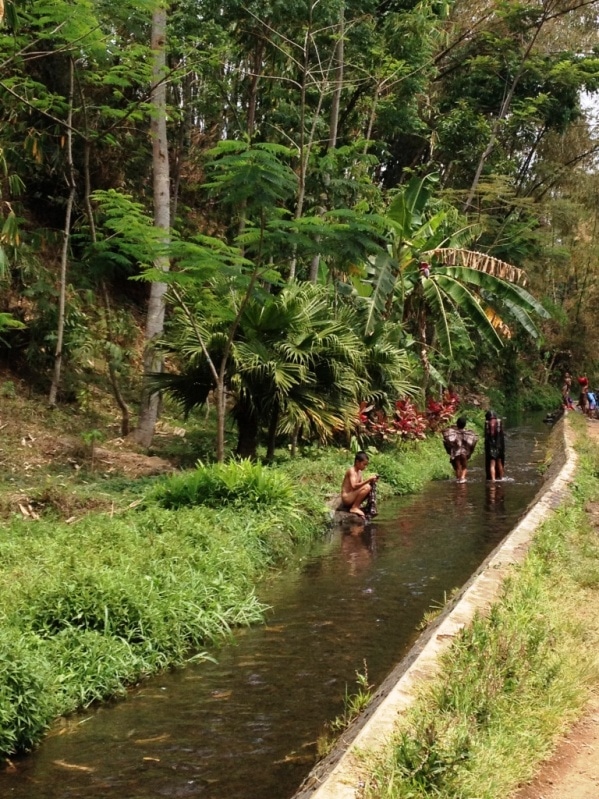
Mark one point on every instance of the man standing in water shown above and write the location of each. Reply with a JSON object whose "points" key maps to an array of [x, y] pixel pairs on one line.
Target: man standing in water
{"points": [[459, 444], [355, 490], [494, 447]]}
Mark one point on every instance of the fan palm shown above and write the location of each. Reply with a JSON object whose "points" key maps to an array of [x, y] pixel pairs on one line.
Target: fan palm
{"points": [[296, 363]]}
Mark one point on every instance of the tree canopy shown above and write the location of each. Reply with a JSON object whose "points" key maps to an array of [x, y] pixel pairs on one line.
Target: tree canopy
{"points": [[387, 171]]}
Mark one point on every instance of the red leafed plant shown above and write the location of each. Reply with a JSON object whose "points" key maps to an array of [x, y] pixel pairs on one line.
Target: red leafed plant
{"points": [[439, 413], [408, 423]]}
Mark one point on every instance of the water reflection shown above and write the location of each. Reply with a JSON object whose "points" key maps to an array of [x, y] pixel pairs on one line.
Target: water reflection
{"points": [[495, 497], [358, 545], [461, 498]]}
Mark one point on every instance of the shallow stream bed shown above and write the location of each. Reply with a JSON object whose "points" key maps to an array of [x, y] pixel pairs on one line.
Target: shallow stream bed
{"points": [[246, 727]]}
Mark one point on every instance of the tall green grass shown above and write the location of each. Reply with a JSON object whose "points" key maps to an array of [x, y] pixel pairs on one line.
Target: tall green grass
{"points": [[514, 679], [89, 608], [242, 482], [93, 607], [413, 465], [404, 469]]}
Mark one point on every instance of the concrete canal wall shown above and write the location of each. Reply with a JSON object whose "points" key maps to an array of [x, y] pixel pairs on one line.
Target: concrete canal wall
{"points": [[341, 774]]}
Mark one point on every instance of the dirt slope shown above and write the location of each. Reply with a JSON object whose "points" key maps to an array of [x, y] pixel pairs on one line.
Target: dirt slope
{"points": [[573, 770]]}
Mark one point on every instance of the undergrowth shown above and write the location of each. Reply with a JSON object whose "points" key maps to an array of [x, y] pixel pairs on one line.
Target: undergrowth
{"points": [[243, 482], [354, 702]]}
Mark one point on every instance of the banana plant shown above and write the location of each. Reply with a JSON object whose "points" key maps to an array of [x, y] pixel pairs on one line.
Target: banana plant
{"points": [[427, 276]]}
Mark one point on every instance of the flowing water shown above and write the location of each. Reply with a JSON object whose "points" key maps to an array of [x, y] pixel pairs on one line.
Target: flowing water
{"points": [[246, 727]]}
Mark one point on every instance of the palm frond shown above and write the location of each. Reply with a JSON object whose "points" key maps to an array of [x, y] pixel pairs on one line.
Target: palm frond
{"points": [[501, 288], [497, 322], [383, 271], [407, 206], [522, 317]]}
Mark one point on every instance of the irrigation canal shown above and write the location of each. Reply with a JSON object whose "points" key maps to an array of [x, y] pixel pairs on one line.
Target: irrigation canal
{"points": [[246, 727]]}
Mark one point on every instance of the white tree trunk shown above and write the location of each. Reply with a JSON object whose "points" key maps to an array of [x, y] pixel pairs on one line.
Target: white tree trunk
{"points": [[64, 259], [338, 68], [155, 318]]}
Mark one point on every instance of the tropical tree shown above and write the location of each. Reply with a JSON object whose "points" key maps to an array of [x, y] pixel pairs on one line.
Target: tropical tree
{"points": [[508, 76], [297, 363], [432, 285]]}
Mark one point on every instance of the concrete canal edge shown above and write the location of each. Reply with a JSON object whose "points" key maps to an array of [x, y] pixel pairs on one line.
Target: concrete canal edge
{"points": [[341, 774]]}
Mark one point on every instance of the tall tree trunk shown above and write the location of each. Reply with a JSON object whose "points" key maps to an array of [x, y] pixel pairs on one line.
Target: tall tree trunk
{"points": [[272, 434], [155, 318], [65, 244], [258, 57], [337, 71], [338, 78]]}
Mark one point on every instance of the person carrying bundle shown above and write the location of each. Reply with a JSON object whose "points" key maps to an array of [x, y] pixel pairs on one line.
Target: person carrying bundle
{"points": [[459, 443]]}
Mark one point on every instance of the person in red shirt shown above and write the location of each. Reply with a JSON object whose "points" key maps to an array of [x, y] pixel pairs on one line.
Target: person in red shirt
{"points": [[583, 400]]}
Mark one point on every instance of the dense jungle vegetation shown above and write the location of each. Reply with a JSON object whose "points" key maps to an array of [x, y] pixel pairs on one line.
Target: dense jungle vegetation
{"points": [[293, 224], [284, 211]]}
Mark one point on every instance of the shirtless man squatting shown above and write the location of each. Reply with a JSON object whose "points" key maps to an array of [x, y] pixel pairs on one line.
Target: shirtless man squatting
{"points": [[354, 489]]}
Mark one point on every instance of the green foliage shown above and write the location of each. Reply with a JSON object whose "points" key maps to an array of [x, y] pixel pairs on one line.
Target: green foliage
{"points": [[444, 302], [259, 188], [250, 177], [27, 705], [129, 236], [541, 398], [88, 614], [413, 465], [354, 702], [242, 482], [410, 231], [7, 389], [92, 437], [8, 321], [94, 605], [93, 666], [297, 361]]}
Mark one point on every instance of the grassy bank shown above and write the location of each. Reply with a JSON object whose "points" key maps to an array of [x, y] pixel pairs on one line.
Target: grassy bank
{"points": [[514, 679], [92, 605]]}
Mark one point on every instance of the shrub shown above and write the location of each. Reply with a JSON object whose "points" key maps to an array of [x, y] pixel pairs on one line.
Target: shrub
{"points": [[408, 423], [26, 703], [221, 484], [92, 667], [406, 473], [541, 398], [96, 602]]}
